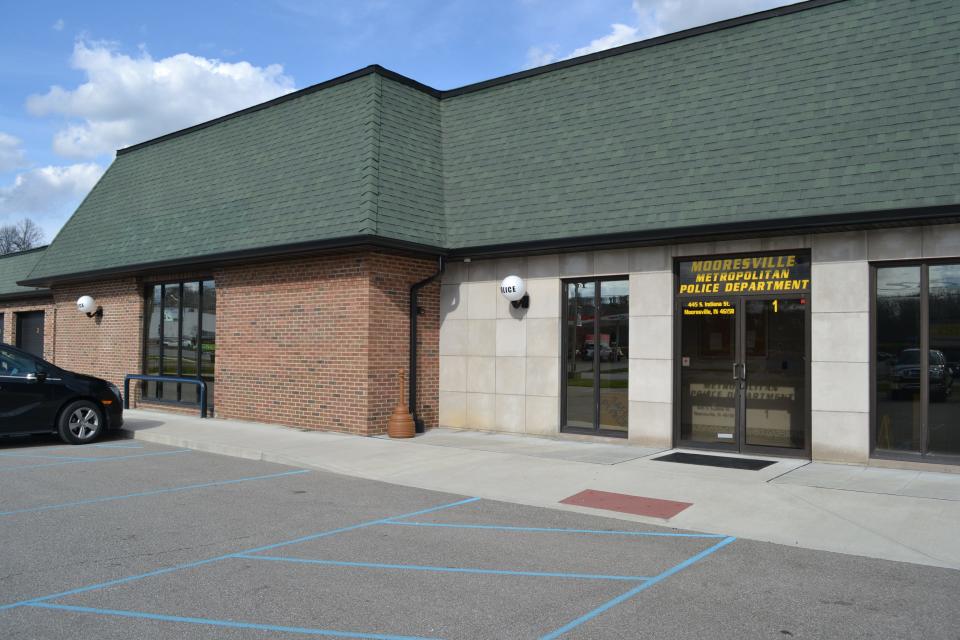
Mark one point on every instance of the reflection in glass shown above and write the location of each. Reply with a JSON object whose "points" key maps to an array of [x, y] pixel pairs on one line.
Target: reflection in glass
{"points": [[180, 338], [707, 388], [189, 339], [208, 337], [170, 358], [897, 358], [612, 343], [580, 341], [153, 314], [775, 341], [944, 366]]}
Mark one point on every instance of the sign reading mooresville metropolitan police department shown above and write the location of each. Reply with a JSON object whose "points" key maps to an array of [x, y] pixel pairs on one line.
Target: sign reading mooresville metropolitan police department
{"points": [[746, 274]]}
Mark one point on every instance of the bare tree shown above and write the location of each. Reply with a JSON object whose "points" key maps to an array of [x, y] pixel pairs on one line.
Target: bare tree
{"points": [[21, 236]]}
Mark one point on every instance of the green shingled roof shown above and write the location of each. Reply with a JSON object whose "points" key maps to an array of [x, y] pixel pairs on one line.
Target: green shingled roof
{"points": [[842, 107], [15, 267]]}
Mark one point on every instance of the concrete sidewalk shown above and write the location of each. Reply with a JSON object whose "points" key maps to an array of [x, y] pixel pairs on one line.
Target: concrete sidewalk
{"points": [[909, 516]]}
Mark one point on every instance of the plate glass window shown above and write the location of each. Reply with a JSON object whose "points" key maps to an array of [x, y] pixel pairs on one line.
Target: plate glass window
{"points": [[180, 339], [596, 345], [916, 359]]}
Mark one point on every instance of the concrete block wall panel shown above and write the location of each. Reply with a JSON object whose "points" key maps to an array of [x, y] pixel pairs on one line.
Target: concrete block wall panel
{"points": [[839, 371], [500, 366], [840, 347], [650, 420], [840, 326], [941, 241]]}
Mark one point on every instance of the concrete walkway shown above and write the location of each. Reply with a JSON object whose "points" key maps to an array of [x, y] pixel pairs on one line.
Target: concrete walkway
{"points": [[908, 516]]}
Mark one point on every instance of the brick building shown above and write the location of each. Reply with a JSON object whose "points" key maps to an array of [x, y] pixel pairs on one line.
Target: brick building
{"points": [[742, 237]]}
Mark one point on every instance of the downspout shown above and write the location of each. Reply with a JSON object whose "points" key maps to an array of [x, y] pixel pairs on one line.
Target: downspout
{"points": [[414, 312]]}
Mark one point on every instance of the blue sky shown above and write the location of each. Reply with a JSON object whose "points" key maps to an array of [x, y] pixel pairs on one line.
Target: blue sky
{"points": [[81, 79]]}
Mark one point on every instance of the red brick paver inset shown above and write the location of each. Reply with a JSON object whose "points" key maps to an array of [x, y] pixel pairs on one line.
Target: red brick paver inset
{"points": [[624, 503]]}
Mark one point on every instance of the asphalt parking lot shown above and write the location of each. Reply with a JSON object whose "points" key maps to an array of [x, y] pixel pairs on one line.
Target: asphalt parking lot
{"points": [[131, 540]]}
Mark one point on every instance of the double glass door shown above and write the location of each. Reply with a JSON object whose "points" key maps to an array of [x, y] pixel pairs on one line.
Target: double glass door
{"points": [[743, 373]]}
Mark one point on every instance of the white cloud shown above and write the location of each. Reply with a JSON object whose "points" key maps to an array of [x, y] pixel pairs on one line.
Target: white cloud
{"points": [[127, 99], [58, 25], [620, 34], [48, 195], [655, 18], [11, 155], [539, 56]]}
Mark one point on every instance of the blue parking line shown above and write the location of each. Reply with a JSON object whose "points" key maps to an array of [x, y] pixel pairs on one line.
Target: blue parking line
{"points": [[100, 459], [7, 454], [154, 492], [632, 592], [359, 526], [198, 563], [233, 624], [496, 527], [417, 567]]}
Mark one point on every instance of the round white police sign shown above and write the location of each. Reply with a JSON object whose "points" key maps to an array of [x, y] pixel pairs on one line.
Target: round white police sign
{"points": [[86, 304], [513, 288]]}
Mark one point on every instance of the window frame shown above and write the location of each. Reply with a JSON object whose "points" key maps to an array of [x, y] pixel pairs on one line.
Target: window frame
{"points": [[148, 292], [924, 454], [596, 430]]}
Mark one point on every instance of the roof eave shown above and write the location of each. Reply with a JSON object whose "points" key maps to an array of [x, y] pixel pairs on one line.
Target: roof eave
{"points": [[25, 295], [287, 251], [824, 223]]}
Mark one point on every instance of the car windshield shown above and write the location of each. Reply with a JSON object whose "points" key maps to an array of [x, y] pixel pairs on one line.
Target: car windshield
{"points": [[14, 364], [912, 356]]}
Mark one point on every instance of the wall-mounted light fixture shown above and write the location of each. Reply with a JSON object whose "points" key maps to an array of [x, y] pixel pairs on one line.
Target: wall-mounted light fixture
{"points": [[514, 289], [87, 305]]}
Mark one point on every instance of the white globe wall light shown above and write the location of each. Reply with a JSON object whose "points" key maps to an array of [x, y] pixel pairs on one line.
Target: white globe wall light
{"points": [[87, 305], [514, 289]]}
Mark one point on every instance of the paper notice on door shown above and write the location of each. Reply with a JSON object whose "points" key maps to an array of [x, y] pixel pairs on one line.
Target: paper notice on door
{"points": [[725, 436]]}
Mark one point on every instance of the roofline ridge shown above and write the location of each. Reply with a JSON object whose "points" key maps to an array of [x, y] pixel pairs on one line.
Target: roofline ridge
{"points": [[493, 82], [666, 38], [23, 251]]}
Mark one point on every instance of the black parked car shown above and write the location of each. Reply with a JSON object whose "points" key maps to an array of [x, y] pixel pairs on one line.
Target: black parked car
{"points": [[38, 397]]}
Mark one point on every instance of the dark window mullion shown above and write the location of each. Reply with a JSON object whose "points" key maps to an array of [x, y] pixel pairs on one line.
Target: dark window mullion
{"points": [[924, 358], [596, 354], [180, 339], [163, 315], [199, 328]]}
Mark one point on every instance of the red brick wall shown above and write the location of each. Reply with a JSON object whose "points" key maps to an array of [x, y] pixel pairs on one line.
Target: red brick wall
{"points": [[390, 280], [318, 342], [108, 347], [314, 343]]}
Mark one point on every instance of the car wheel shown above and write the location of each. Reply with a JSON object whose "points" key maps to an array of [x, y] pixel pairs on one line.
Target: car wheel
{"points": [[81, 422]]}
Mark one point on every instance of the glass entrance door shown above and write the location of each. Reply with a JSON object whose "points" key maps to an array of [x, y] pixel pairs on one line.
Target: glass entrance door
{"points": [[595, 347], [774, 372], [743, 373], [709, 385]]}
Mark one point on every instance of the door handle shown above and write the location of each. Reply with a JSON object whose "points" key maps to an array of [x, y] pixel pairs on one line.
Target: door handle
{"points": [[742, 374]]}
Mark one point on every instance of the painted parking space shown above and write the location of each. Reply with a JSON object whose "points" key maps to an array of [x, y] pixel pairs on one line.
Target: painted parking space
{"points": [[518, 602], [215, 547], [41, 478]]}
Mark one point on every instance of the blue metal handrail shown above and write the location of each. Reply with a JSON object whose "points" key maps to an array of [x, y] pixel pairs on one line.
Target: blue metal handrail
{"points": [[197, 381]]}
